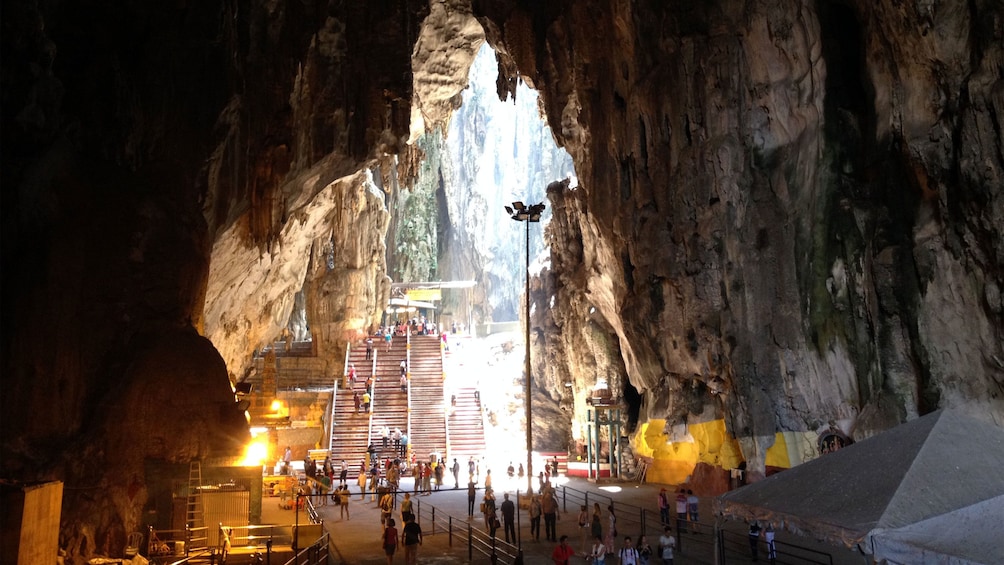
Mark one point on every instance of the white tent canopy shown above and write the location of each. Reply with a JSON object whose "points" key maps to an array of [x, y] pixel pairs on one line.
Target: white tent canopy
{"points": [[881, 493]]}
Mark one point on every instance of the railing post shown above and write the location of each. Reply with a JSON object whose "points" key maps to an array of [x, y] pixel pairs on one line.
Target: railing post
{"points": [[449, 535], [470, 543], [433, 529]]}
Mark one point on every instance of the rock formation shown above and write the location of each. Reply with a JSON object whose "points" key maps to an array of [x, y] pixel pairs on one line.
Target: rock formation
{"points": [[788, 213]]}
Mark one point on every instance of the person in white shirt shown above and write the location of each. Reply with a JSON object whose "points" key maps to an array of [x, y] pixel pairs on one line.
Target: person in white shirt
{"points": [[667, 543], [599, 552]]}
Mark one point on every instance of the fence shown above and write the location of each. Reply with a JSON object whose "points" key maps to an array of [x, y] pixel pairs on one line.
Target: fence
{"points": [[696, 538], [461, 531]]}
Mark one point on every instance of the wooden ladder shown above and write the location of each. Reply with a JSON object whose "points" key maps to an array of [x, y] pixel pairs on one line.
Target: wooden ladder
{"points": [[194, 515]]}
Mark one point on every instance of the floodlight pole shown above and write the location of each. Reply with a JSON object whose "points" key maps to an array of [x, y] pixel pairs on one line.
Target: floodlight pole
{"points": [[528, 214], [529, 413]]}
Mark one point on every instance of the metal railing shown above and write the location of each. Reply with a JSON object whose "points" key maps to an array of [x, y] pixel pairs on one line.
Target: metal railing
{"points": [[695, 537], [460, 531], [317, 553], [735, 547]]}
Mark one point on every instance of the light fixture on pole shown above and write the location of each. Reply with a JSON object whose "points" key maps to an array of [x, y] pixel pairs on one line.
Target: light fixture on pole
{"points": [[528, 214]]}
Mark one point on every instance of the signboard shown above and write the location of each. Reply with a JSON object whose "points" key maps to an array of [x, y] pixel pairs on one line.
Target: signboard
{"points": [[426, 294]]}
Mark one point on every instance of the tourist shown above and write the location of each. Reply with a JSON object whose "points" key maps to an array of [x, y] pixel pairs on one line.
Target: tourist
{"points": [[535, 513], [440, 471], [628, 553], [366, 401], [681, 511], [406, 508], [369, 348], [644, 550], [598, 554], [488, 508], [390, 541], [663, 500], [509, 518], [427, 479], [287, 458], [411, 538], [667, 543], [472, 494], [549, 507], [584, 523], [386, 507], [324, 488], [692, 507], [397, 439], [343, 474], [361, 481], [385, 435], [456, 474], [596, 524], [356, 400], [562, 554], [768, 536], [612, 531], [343, 500], [470, 470], [754, 536], [374, 479]]}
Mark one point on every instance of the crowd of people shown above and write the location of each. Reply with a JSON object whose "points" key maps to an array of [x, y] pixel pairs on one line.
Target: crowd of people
{"points": [[600, 536]]}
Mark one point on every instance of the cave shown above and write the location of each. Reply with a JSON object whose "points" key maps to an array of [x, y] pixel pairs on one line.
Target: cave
{"points": [[786, 218]]}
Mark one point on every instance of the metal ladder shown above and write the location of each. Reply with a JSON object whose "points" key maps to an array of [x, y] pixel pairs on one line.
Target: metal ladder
{"points": [[194, 519]]}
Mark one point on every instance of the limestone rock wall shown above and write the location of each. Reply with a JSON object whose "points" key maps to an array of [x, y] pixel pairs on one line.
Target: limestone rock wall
{"points": [[171, 170], [788, 211]]}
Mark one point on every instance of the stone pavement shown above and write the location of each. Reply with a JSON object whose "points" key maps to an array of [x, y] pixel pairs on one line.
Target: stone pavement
{"points": [[357, 541]]}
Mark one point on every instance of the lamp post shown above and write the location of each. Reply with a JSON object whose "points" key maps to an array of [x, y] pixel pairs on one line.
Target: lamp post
{"points": [[523, 213]]}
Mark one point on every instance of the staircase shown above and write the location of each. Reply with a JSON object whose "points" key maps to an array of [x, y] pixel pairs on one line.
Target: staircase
{"points": [[390, 405], [428, 420], [465, 420], [349, 431], [467, 430]]}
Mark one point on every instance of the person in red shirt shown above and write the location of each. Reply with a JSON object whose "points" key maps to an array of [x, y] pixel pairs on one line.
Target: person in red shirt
{"points": [[562, 554]]}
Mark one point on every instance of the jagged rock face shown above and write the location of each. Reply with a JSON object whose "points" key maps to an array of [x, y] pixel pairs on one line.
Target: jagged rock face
{"points": [[799, 199], [169, 168]]}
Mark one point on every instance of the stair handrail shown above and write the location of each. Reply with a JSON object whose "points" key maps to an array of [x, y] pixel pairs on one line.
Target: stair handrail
{"points": [[407, 368], [331, 424], [447, 406], [345, 368], [369, 417]]}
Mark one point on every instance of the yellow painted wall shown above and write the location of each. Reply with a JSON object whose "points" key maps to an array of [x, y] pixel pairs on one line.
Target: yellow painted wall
{"points": [[707, 442]]}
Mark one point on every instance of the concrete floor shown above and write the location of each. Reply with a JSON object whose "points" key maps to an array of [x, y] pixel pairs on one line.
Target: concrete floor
{"points": [[358, 540]]}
